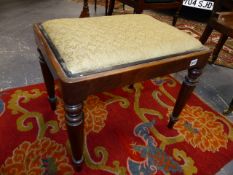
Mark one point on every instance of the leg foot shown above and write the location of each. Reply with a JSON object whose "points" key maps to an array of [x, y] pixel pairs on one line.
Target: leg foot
{"points": [[229, 109], [172, 121], [186, 90], [53, 103], [77, 164]]}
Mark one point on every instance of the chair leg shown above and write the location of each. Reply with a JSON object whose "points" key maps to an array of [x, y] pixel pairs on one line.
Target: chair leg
{"points": [[218, 47], [111, 7], [85, 11], [137, 10], [95, 5], [175, 17], [49, 82], [106, 7], [229, 109], [174, 20], [75, 128], [186, 90], [208, 30]]}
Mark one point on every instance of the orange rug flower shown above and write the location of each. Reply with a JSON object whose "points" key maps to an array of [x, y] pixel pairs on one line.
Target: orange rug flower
{"points": [[202, 129], [40, 157]]}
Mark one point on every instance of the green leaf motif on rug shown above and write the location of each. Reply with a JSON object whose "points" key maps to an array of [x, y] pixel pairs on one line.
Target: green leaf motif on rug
{"points": [[23, 114]]}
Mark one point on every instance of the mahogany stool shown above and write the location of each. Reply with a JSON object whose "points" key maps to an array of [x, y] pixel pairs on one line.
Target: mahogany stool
{"points": [[90, 55]]}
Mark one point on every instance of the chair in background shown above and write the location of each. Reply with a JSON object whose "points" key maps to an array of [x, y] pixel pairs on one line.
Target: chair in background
{"points": [[106, 7], [140, 5], [85, 11], [222, 21]]}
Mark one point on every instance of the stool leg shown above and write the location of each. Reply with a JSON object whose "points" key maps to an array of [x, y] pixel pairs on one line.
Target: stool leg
{"points": [[218, 47], [49, 82], [230, 108], [186, 90], [85, 12], [75, 127], [208, 30]]}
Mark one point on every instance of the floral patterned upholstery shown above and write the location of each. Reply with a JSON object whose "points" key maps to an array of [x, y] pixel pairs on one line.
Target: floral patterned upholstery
{"points": [[100, 43]]}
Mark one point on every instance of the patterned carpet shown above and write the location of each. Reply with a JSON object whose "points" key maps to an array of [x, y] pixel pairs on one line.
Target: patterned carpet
{"points": [[125, 133], [192, 27]]}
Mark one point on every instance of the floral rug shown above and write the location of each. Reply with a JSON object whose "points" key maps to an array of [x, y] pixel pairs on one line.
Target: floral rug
{"points": [[195, 28], [125, 133]]}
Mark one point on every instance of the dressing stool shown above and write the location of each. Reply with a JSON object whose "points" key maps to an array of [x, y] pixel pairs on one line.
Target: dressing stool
{"points": [[90, 55]]}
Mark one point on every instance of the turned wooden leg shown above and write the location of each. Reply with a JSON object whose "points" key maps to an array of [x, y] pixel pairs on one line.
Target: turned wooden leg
{"points": [[175, 17], [218, 47], [186, 90], [111, 7], [85, 12], [229, 109], [205, 35], [75, 127], [49, 82]]}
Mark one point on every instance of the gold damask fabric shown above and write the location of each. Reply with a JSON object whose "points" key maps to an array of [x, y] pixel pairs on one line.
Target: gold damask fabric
{"points": [[97, 43]]}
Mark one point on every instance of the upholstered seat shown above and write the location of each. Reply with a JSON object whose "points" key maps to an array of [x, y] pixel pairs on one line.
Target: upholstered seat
{"points": [[96, 44], [221, 20]]}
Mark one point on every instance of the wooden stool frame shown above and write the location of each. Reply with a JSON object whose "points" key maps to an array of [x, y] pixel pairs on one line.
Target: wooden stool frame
{"points": [[76, 89]]}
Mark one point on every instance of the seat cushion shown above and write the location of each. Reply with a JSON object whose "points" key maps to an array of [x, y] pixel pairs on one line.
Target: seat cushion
{"points": [[102, 43]]}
